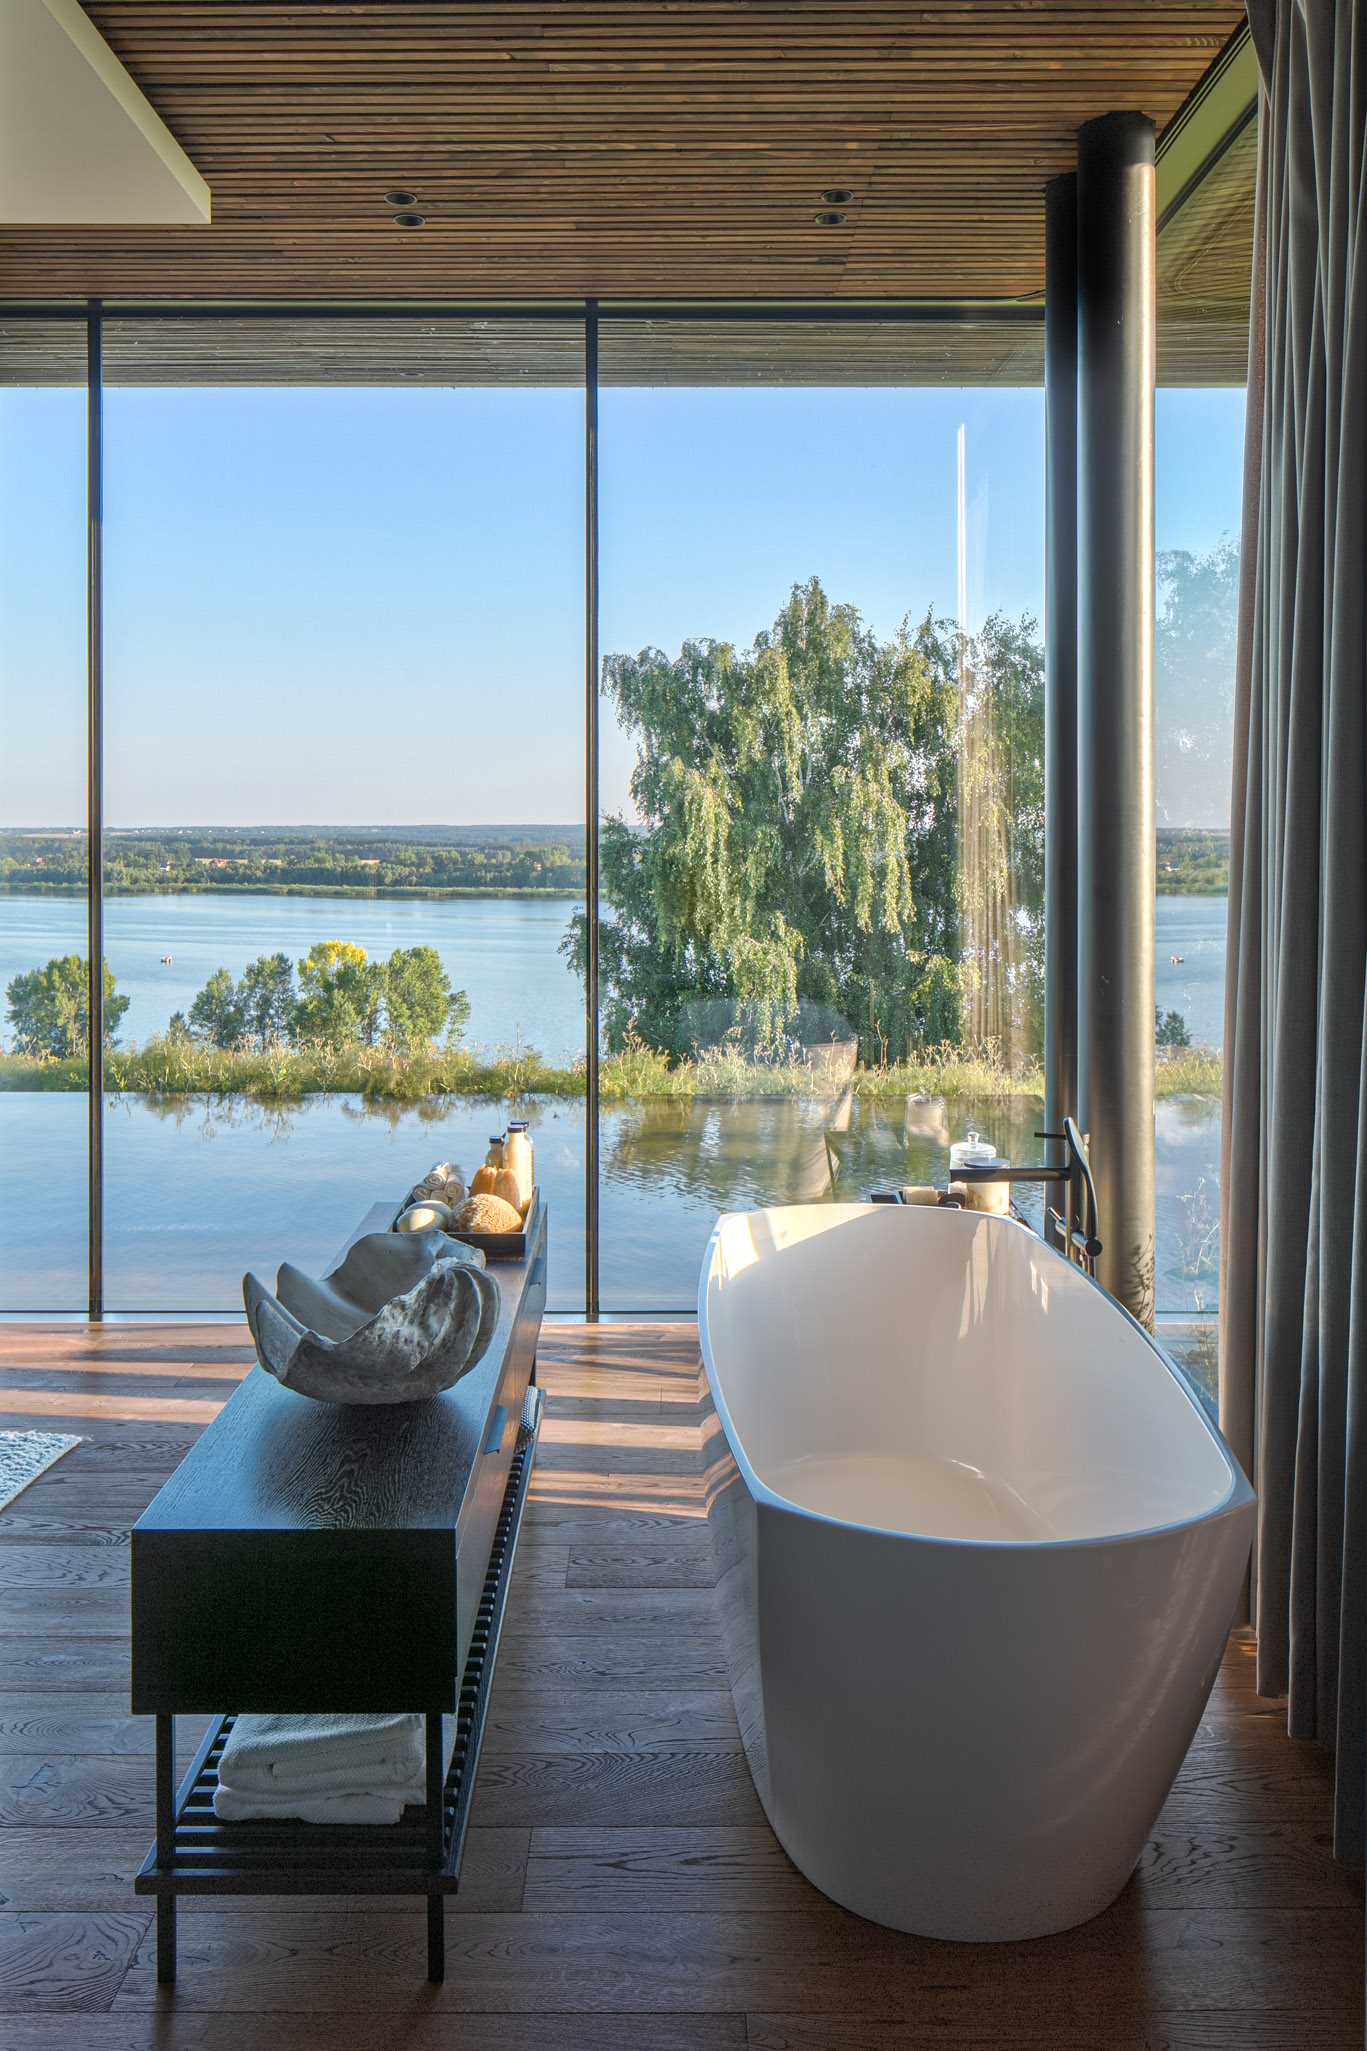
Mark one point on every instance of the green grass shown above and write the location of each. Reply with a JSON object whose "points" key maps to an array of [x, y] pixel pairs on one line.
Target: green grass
{"points": [[180, 1067], [1189, 1072], [950, 1071]]}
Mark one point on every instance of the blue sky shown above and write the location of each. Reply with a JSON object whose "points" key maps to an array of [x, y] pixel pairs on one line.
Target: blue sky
{"points": [[356, 605]]}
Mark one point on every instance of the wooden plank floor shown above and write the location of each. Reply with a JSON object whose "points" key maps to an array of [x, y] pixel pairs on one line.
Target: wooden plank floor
{"points": [[622, 1890]]}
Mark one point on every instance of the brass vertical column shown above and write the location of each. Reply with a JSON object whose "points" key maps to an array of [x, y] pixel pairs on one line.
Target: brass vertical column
{"points": [[1116, 351], [1060, 657]]}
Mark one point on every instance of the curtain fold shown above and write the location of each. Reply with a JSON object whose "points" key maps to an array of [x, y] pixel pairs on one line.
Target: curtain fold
{"points": [[1294, 1169]]}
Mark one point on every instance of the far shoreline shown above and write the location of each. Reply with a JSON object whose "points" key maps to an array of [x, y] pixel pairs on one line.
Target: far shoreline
{"points": [[438, 895]]}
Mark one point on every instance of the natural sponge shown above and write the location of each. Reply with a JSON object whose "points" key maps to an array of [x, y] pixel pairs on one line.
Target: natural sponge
{"points": [[487, 1213]]}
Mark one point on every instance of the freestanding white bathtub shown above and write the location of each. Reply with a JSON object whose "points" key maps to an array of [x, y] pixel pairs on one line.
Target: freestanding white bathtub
{"points": [[978, 1548]]}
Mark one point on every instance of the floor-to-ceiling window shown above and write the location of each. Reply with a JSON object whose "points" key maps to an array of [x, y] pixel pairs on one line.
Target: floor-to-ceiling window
{"points": [[344, 777], [344, 782], [821, 792], [43, 841]]}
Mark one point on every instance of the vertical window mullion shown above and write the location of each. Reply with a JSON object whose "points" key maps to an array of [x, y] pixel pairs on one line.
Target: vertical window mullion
{"points": [[591, 1295], [95, 804]]}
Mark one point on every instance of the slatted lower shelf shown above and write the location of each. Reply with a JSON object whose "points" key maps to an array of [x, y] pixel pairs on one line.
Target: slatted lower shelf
{"points": [[207, 1856]]}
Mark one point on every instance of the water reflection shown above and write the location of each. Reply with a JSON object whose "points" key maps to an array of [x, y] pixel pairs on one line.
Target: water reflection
{"points": [[721, 1154]]}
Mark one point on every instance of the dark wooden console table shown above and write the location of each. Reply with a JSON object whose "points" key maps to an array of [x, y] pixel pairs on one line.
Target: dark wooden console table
{"points": [[306, 1557]]}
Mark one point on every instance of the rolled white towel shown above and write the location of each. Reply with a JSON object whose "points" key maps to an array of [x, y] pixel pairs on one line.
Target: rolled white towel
{"points": [[316, 1755]]}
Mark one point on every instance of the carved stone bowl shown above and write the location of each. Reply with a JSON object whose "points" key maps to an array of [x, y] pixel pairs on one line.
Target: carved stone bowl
{"points": [[403, 1317]]}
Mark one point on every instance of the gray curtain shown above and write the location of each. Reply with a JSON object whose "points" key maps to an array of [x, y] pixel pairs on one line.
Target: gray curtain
{"points": [[1294, 1170]]}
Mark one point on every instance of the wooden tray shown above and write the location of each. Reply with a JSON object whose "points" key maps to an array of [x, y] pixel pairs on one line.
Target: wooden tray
{"points": [[507, 1246], [502, 1246]]}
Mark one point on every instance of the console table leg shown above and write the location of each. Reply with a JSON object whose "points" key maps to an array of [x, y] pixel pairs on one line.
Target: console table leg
{"points": [[166, 1939], [166, 1846], [436, 1937], [436, 1844]]}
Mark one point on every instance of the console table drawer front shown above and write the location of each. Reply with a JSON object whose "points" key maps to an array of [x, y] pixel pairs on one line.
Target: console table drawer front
{"points": [[312, 1620]]}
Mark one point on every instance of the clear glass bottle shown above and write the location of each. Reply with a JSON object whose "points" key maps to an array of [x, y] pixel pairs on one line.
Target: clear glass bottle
{"points": [[977, 1152]]}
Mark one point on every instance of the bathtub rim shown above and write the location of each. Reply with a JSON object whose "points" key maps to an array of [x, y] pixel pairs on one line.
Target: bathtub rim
{"points": [[1239, 1495]]}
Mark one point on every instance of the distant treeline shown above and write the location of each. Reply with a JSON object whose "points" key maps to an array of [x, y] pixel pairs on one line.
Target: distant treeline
{"points": [[427, 861], [424, 860], [1193, 861]]}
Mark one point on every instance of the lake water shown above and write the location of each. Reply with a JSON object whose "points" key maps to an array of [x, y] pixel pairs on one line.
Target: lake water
{"points": [[1193, 930], [197, 1191], [502, 951]]}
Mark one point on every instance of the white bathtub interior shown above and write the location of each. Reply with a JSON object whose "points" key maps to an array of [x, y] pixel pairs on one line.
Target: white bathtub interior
{"points": [[943, 1373]]}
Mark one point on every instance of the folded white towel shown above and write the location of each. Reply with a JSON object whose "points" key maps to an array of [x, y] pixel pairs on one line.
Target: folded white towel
{"points": [[231, 1807], [313, 1781], [323, 1755]]}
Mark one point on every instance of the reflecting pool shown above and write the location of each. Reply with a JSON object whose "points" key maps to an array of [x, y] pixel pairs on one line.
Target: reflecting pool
{"points": [[198, 1189]]}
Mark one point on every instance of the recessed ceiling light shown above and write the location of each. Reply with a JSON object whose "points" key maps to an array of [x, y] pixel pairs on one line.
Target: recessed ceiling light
{"points": [[401, 199], [409, 220], [830, 220], [837, 196]]}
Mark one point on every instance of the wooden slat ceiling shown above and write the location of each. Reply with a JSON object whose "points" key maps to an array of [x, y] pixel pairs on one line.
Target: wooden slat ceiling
{"points": [[571, 148], [455, 351], [1196, 346]]}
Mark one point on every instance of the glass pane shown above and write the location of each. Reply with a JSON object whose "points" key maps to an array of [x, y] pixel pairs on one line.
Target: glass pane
{"points": [[1199, 470], [822, 568], [44, 1067], [344, 782], [1205, 255]]}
